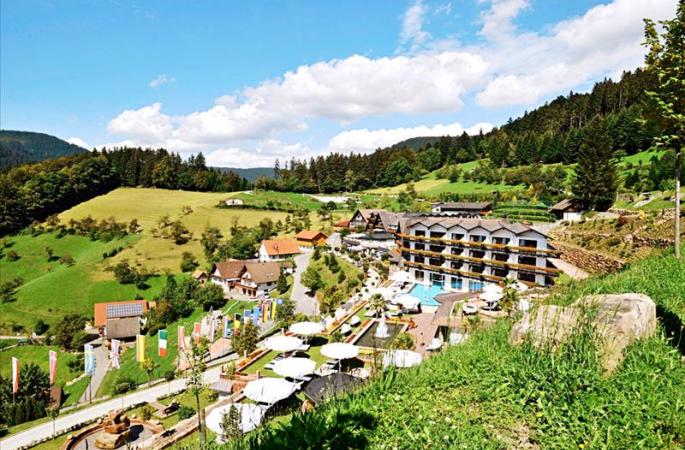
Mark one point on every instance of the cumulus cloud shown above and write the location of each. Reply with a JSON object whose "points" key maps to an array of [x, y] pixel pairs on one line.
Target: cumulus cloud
{"points": [[365, 140], [413, 33], [498, 19], [160, 80], [264, 155], [78, 141]]}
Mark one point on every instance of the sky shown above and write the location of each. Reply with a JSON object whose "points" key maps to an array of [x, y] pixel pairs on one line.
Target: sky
{"points": [[246, 82]]}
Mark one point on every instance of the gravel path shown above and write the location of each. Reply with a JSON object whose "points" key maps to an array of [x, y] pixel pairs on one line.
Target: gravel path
{"points": [[304, 303]]}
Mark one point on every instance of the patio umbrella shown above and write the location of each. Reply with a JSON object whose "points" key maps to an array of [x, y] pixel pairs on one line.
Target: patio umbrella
{"points": [[283, 343], [340, 350], [493, 289], [340, 313], [490, 297], [406, 301], [269, 390], [294, 367], [321, 388], [401, 358], [250, 417], [401, 276], [355, 320], [386, 293], [306, 328]]}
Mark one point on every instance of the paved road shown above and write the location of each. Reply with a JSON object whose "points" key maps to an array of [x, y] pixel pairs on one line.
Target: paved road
{"points": [[63, 422], [101, 365], [304, 303]]}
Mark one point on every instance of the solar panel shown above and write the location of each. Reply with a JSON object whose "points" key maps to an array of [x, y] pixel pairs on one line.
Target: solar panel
{"points": [[124, 310]]}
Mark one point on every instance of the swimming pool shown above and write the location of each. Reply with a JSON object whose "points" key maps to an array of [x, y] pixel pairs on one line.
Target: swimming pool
{"points": [[427, 293]]}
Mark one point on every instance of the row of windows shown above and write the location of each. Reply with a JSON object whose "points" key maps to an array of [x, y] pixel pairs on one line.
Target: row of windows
{"points": [[479, 238], [457, 283]]}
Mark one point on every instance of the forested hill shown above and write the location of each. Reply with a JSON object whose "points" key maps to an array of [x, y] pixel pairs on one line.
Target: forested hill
{"points": [[20, 147], [552, 133], [250, 174]]}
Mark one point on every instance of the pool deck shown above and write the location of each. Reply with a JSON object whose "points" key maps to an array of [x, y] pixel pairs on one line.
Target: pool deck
{"points": [[424, 331]]}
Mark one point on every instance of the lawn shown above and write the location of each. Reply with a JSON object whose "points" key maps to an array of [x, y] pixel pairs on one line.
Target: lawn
{"points": [[38, 354], [329, 278], [51, 289], [279, 200], [149, 205]]}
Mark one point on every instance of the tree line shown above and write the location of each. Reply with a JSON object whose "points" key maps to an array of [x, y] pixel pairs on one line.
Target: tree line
{"points": [[32, 192], [552, 133]]}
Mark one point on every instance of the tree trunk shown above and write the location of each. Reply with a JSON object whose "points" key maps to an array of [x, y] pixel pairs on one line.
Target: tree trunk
{"points": [[200, 428], [678, 165]]}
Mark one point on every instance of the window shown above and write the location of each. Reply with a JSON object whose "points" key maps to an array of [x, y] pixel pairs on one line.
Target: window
{"points": [[457, 264], [477, 268], [528, 243], [501, 240], [437, 234], [437, 279], [457, 237], [457, 283], [477, 254], [419, 246], [457, 251], [500, 272], [528, 260], [500, 256], [475, 286], [418, 275], [526, 277], [477, 238], [419, 233]]}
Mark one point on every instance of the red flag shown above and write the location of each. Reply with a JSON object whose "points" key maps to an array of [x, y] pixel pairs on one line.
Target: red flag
{"points": [[15, 375], [181, 339], [197, 331], [53, 366]]}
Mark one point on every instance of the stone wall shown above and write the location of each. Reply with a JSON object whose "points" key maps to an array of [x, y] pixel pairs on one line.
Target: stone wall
{"points": [[589, 261]]}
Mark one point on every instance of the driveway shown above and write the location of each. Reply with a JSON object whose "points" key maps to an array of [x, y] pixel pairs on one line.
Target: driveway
{"points": [[304, 303], [101, 365]]}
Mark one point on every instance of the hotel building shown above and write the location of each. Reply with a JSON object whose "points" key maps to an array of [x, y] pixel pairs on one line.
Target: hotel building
{"points": [[464, 254]]}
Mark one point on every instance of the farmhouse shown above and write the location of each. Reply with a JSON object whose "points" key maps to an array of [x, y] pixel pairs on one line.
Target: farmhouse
{"points": [[567, 209], [378, 222], [248, 277], [465, 254], [278, 249], [465, 209], [309, 238], [120, 320]]}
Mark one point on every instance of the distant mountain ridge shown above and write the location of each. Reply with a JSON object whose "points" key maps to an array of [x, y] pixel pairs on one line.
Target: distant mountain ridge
{"points": [[20, 147], [251, 173]]}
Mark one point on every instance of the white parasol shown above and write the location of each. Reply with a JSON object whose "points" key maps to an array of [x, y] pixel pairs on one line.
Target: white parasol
{"points": [[294, 367], [406, 301], [306, 328], [493, 289], [340, 350], [401, 276], [401, 358], [283, 343], [490, 297], [386, 293], [269, 390], [250, 417]]}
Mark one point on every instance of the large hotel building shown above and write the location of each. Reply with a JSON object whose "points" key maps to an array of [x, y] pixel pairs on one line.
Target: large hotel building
{"points": [[463, 254]]}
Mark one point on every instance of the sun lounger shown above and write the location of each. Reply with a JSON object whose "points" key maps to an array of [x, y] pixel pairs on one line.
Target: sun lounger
{"points": [[303, 348]]}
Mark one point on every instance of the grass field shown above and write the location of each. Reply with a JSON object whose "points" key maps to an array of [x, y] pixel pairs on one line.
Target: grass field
{"points": [[38, 354], [149, 205], [51, 289], [281, 200]]}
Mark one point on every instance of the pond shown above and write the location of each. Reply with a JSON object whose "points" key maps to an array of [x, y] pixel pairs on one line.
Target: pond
{"points": [[368, 339]]}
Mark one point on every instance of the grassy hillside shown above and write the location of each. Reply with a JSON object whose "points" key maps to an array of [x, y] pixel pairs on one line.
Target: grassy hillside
{"points": [[149, 205], [489, 394], [52, 289], [19, 147], [278, 200]]}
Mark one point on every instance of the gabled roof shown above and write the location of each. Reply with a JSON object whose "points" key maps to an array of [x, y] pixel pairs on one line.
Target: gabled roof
{"points": [[468, 224], [127, 308], [198, 274], [309, 235], [281, 247], [230, 269], [468, 206], [263, 272], [566, 204]]}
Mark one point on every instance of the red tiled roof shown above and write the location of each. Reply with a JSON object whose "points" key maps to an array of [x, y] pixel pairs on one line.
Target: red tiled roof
{"points": [[100, 310], [309, 235], [281, 247]]}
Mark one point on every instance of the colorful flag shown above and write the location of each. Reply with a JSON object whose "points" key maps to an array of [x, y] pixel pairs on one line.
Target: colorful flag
{"points": [[15, 375], [88, 360], [182, 339], [197, 331], [140, 348], [114, 353], [256, 314], [53, 366], [227, 327], [162, 343], [267, 312], [212, 330], [247, 316], [236, 323]]}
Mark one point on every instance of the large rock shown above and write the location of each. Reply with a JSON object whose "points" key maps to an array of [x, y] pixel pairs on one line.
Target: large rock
{"points": [[619, 321]]}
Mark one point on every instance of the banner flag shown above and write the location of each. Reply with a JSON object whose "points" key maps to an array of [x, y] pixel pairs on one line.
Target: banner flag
{"points": [[236, 323], [140, 348], [227, 327], [274, 306], [182, 339], [267, 312], [256, 315], [53, 366], [212, 330], [89, 360], [114, 353], [162, 343], [15, 375], [197, 331], [247, 316]]}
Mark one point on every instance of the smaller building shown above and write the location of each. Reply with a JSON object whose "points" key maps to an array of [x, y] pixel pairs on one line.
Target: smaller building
{"points": [[278, 249], [567, 209], [463, 209], [307, 239], [258, 279], [120, 320], [234, 202], [200, 276]]}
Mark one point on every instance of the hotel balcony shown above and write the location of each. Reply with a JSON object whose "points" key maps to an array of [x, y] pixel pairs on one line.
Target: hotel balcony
{"points": [[402, 238]]}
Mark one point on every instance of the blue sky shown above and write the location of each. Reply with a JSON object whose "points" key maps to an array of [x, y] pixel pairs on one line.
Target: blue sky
{"points": [[246, 82]]}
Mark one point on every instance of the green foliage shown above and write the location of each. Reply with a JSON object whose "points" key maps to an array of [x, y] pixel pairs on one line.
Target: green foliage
{"points": [[41, 327], [231, 424], [404, 341], [69, 332], [282, 284], [185, 412], [210, 296], [30, 401], [245, 342], [188, 262], [312, 279], [20, 147]]}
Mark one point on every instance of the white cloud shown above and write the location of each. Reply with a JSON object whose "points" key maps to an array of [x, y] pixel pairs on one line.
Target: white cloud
{"points": [[264, 155], [498, 20], [340, 90], [365, 140], [413, 33], [78, 141], [160, 80]]}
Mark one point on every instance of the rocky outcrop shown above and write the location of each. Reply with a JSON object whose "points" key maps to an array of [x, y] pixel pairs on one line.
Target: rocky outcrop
{"points": [[618, 322], [589, 261]]}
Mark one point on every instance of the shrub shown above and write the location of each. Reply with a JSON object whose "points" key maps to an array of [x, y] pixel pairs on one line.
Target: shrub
{"points": [[169, 375], [12, 255], [146, 412], [188, 262], [123, 383], [41, 327], [185, 412]]}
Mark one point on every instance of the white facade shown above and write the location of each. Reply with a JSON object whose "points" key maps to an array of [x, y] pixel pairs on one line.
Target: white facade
{"points": [[482, 255]]}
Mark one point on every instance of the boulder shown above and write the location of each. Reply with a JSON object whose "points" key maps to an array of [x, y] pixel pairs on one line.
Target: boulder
{"points": [[619, 321]]}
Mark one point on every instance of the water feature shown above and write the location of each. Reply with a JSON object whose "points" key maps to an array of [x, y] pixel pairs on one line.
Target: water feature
{"points": [[382, 329], [369, 339], [427, 293]]}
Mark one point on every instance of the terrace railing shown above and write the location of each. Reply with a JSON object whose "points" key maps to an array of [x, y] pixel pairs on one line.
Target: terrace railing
{"points": [[479, 245]]}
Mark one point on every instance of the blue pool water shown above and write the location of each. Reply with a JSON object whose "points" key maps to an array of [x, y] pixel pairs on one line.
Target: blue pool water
{"points": [[427, 293]]}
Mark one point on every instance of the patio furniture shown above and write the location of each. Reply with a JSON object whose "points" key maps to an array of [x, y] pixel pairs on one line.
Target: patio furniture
{"points": [[345, 329], [355, 320], [435, 344], [468, 309]]}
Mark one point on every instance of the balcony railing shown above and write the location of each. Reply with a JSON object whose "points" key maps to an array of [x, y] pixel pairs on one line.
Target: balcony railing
{"points": [[463, 273], [490, 262], [480, 245]]}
